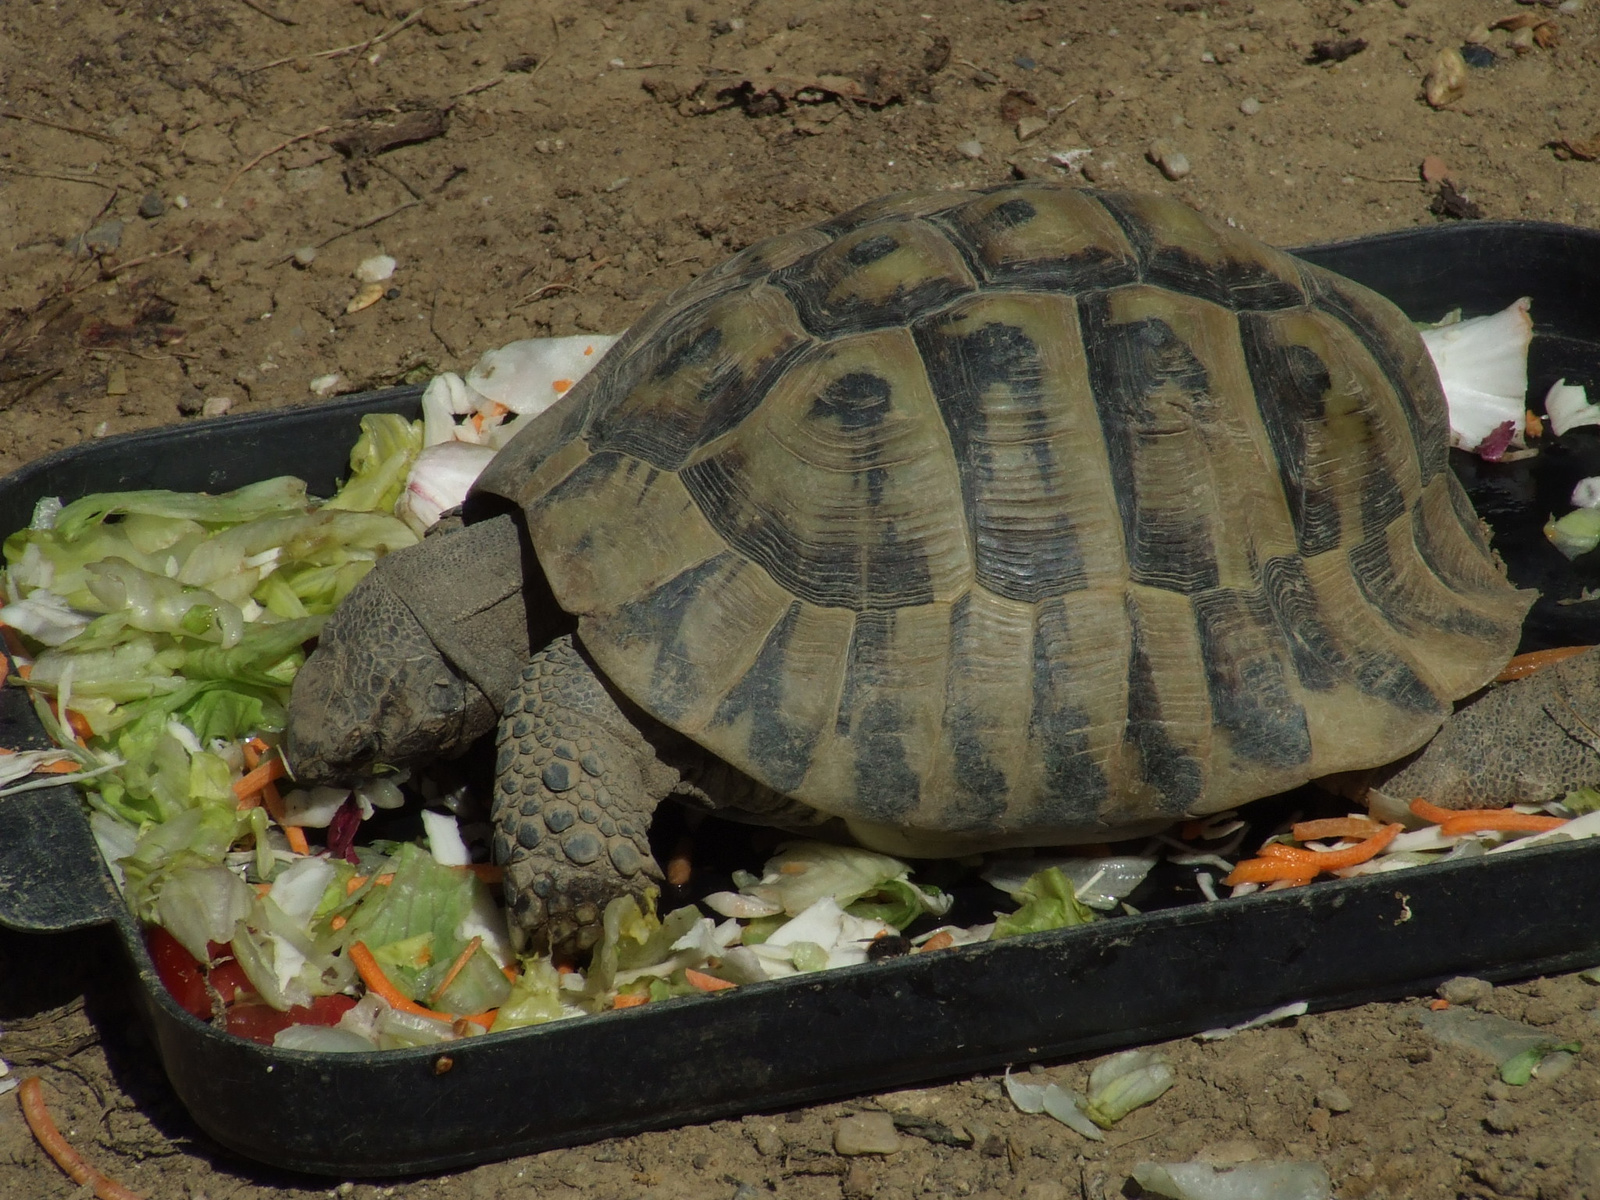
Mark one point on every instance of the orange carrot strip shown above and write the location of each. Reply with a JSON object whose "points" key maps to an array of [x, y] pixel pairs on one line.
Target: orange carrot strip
{"points": [[1284, 851], [486, 1019], [62, 766], [353, 884], [1501, 822], [384, 880], [377, 982], [1524, 665], [1438, 1005], [252, 756], [1283, 867], [1335, 827], [509, 972], [1192, 830], [1265, 870], [706, 983], [460, 962], [339, 922], [262, 889], [258, 779], [488, 872], [57, 1147], [1454, 821], [630, 999], [939, 941]]}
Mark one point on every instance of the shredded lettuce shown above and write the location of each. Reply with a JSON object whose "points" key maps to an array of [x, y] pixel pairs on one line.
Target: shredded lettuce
{"points": [[1048, 902]]}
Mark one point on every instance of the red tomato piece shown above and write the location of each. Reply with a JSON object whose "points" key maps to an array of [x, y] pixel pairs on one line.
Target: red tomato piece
{"points": [[178, 971], [231, 982], [261, 1022]]}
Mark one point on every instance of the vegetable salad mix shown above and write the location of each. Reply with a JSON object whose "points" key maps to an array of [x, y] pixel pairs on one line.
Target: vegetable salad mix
{"points": [[158, 634]]}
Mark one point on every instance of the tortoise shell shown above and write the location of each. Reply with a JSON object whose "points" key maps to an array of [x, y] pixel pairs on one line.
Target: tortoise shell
{"points": [[1014, 516]]}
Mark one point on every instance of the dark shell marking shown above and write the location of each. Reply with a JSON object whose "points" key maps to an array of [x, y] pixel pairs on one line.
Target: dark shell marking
{"points": [[1020, 513]]}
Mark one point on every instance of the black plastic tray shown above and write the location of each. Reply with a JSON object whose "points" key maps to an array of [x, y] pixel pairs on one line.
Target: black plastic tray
{"points": [[889, 1024]]}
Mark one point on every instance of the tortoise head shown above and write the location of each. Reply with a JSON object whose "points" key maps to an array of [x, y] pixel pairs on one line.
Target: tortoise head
{"points": [[377, 691]]}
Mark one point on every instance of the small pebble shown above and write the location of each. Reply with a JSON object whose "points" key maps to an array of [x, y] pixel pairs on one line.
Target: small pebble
{"points": [[100, 430], [1030, 126], [1586, 1168], [305, 256], [151, 205], [1502, 1119], [1570, 6], [1174, 163], [369, 295], [971, 148], [216, 406], [1434, 169], [375, 269], [181, 201], [1479, 36], [1478, 56], [326, 385], [1464, 989], [102, 239], [1099, 170], [770, 1143], [866, 1133], [1026, 63], [1446, 81], [1249, 106], [1335, 1100], [617, 62]]}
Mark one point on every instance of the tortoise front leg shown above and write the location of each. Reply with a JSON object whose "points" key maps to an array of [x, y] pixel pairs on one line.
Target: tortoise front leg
{"points": [[576, 784]]}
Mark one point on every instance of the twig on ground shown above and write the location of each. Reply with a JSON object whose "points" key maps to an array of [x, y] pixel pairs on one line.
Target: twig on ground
{"points": [[367, 224], [353, 48], [265, 154], [113, 272], [269, 13], [57, 175], [11, 115]]}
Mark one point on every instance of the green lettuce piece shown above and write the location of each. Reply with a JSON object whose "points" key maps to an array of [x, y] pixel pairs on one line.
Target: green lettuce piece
{"points": [[1048, 902], [279, 495], [387, 447], [423, 898], [899, 902], [535, 997], [267, 655], [801, 873], [1583, 800], [479, 986], [1518, 1070], [1576, 533]]}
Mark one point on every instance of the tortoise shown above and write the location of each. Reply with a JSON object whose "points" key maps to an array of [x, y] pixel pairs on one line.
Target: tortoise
{"points": [[1015, 516]]}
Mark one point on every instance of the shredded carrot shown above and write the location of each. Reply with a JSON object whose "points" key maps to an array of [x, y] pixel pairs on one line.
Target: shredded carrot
{"points": [[488, 872], [477, 422], [1532, 425], [379, 984], [62, 766], [1335, 827], [252, 756], [509, 972], [13, 643], [1192, 830], [262, 889], [630, 1000], [1506, 822], [498, 411], [1524, 665], [353, 884], [339, 922], [485, 1019], [460, 962], [1285, 851], [566, 969], [25, 670], [939, 941], [297, 839], [1303, 865], [561, 386], [1438, 1005], [69, 1160], [384, 880], [1453, 822], [258, 779], [706, 983]]}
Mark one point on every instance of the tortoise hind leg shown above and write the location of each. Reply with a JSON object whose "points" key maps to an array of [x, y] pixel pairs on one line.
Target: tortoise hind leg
{"points": [[576, 784]]}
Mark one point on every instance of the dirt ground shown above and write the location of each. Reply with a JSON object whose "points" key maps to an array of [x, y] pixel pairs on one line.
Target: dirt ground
{"points": [[186, 187]]}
